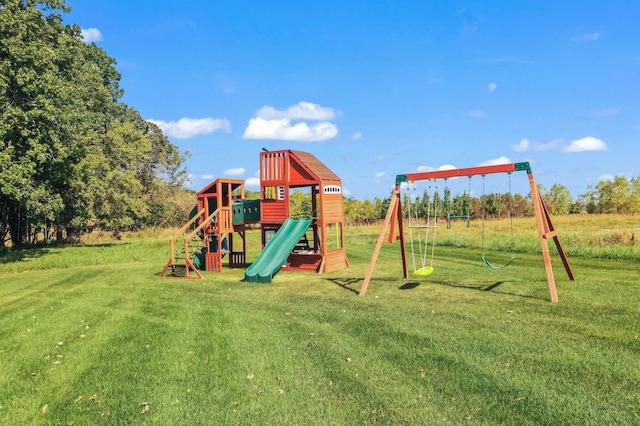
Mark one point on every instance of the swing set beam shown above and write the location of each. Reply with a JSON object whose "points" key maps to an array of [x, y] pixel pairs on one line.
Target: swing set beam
{"points": [[544, 224], [469, 171]]}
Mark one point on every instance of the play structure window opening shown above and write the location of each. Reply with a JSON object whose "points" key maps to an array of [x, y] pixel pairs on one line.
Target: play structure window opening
{"points": [[306, 244], [332, 189], [334, 236], [274, 192], [301, 203], [268, 234]]}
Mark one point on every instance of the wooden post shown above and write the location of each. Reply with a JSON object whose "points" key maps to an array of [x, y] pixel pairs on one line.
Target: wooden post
{"points": [[537, 207], [393, 205], [403, 248], [546, 230], [554, 233]]}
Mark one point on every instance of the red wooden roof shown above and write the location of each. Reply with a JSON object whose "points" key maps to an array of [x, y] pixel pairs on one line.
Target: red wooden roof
{"points": [[211, 188], [315, 166]]}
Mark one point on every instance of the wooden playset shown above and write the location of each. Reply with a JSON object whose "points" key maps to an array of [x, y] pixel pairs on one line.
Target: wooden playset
{"points": [[310, 244], [317, 243]]}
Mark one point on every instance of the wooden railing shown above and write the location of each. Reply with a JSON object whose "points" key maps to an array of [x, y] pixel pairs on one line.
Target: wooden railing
{"points": [[180, 232], [220, 221]]}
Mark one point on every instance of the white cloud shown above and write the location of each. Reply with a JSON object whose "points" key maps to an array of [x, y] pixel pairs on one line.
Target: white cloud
{"points": [[492, 87], [606, 177], [547, 146], [586, 37], [207, 177], [300, 111], [91, 34], [356, 136], [496, 161], [447, 167], [271, 123], [477, 113], [235, 171], [421, 169], [605, 112], [259, 128], [252, 182], [380, 174], [346, 192], [586, 144], [186, 128], [521, 146], [528, 145]]}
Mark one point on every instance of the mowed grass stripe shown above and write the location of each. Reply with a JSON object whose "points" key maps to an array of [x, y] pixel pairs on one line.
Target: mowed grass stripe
{"points": [[170, 353]]}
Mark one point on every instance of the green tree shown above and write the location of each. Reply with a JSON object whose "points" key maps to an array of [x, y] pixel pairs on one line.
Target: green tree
{"points": [[587, 202], [300, 204], [491, 205], [521, 206], [70, 153], [614, 196], [351, 207], [382, 206], [41, 109], [367, 210], [558, 199], [634, 199]]}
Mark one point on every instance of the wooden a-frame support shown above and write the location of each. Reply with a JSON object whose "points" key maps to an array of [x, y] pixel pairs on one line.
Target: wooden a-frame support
{"points": [[545, 227]]}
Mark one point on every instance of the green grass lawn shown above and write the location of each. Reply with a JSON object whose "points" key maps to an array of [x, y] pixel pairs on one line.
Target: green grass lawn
{"points": [[92, 335]]}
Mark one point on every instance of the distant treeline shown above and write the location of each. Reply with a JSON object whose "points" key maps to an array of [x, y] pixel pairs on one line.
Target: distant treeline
{"points": [[621, 195]]}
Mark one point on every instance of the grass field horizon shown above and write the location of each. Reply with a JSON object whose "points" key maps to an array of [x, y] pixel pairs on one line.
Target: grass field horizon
{"points": [[91, 334]]}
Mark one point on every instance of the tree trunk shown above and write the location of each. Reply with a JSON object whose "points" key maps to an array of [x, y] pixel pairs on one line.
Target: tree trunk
{"points": [[17, 227]]}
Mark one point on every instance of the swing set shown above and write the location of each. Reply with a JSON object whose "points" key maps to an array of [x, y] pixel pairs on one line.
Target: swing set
{"points": [[426, 232]]}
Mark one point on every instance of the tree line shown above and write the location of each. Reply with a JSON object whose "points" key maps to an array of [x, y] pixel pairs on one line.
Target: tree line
{"points": [[73, 157], [620, 196]]}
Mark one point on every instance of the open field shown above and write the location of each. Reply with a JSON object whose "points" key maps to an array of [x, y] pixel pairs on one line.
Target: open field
{"points": [[91, 335]]}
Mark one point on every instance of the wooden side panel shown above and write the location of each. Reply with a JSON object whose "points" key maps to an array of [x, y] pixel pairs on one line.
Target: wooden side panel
{"points": [[334, 261], [303, 262], [273, 211], [332, 209], [213, 262], [225, 224]]}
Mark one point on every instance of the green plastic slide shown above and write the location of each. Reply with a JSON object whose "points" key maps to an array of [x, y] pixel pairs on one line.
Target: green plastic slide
{"points": [[277, 250]]}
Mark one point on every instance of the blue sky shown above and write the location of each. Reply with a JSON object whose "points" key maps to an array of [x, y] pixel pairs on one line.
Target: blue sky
{"points": [[379, 88]]}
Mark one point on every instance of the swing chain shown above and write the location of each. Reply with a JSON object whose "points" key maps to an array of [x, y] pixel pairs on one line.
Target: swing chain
{"points": [[513, 241], [423, 249]]}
